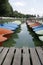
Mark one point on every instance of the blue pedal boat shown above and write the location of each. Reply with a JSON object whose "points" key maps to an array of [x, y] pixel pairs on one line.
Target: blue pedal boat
{"points": [[37, 29], [11, 25], [7, 27], [37, 26]]}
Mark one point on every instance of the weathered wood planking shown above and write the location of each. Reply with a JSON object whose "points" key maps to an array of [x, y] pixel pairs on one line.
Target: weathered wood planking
{"points": [[26, 59], [1, 48], [34, 57], [17, 57], [21, 56], [9, 56], [2, 55], [40, 54]]}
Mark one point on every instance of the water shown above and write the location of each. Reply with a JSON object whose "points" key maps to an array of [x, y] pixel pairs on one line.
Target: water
{"points": [[23, 37]]}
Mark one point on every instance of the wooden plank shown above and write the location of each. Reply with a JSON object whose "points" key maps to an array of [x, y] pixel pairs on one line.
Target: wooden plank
{"points": [[3, 54], [9, 57], [34, 57], [17, 57], [26, 59], [40, 54], [1, 49]]}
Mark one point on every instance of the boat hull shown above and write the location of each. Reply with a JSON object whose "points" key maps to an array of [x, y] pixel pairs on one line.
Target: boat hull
{"points": [[5, 32], [41, 38], [37, 26], [2, 39], [40, 32], [38, 29]]}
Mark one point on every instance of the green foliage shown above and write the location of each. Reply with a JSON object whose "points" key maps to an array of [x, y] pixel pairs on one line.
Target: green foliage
{"points": [[20, 15], [5, 8], [3, 1]]}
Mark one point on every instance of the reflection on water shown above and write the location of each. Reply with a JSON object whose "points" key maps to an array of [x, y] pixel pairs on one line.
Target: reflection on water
{"points": [[23, 37]]}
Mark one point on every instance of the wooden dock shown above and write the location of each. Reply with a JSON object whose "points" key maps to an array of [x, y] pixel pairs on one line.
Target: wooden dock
{"points": [[21, 56]]}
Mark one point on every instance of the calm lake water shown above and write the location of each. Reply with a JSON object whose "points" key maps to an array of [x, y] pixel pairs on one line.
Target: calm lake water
{"points": [[23, 37]]}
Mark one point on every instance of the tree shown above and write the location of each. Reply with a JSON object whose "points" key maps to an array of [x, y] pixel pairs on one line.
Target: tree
{"points": [[5, 8]]}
